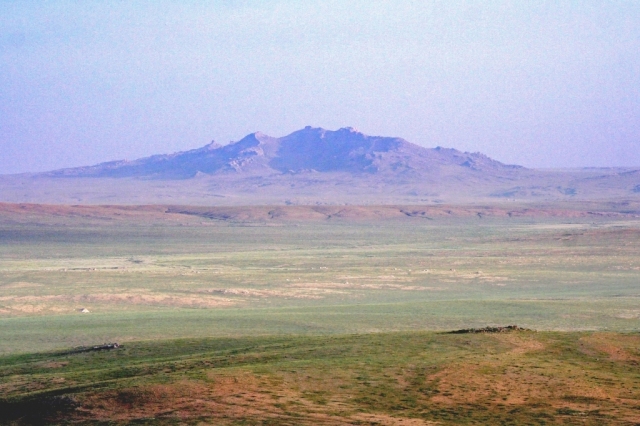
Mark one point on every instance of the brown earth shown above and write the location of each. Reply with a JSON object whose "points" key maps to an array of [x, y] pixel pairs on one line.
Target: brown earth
{"points": [[514, 378], [523, 377], [26, 213]]}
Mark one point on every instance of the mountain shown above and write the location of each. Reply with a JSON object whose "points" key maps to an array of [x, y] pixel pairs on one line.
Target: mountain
{"points": [[314, 166], [306, 150]]}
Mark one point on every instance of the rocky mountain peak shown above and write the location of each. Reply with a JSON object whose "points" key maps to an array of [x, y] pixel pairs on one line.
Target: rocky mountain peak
{"points": [[345, 150]]}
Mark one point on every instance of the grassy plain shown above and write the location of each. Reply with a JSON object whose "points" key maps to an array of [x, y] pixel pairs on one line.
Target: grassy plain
{"points": [[173, 276], [320, 321]]}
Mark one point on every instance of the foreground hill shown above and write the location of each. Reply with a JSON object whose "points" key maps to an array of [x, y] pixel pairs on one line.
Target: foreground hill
{"points": [[388, 379], [314, 166]]}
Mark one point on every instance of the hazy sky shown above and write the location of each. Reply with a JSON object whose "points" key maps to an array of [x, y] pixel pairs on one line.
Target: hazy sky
{"points": [[537, 83]]}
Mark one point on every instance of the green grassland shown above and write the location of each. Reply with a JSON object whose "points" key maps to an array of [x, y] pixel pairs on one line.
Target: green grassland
{"points": [[193, 278], [319, 322]]}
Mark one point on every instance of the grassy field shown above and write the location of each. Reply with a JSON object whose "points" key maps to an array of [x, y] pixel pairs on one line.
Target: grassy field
{"points": [[318, 321], [146, 278], [402, 378]]}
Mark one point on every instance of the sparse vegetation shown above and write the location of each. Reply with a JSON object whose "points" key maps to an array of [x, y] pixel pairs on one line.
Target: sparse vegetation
{"points": [[390, 378], [305, 321]]}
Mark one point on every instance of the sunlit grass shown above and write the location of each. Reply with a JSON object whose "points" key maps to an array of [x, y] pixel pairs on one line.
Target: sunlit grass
{"points": [[382, 378], [147, 281]]}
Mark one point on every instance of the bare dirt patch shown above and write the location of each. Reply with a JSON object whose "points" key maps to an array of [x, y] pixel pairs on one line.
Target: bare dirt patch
{"points": [[228, 399], [315, 292], [617, 349], [68, 303], [386, 420]]}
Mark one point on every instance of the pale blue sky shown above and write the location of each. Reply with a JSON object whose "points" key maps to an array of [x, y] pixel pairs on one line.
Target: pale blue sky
{"points": [[537, 83]]}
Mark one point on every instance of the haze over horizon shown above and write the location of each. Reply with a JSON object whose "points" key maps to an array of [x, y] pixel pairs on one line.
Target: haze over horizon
{"points": [[539, 85]]}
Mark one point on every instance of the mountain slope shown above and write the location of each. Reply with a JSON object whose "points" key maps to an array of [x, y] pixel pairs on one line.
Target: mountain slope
{"points": [[314, 166], [306, 150]]}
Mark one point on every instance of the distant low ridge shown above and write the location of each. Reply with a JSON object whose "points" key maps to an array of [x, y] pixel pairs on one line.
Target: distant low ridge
{"points": [[307, 150]]}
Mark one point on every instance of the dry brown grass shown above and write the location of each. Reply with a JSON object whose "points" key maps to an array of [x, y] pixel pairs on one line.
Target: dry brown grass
{"points": [[518, 377], [28, 213]]}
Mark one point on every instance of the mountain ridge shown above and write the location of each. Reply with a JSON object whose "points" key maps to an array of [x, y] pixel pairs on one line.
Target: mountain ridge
{"points": [[315, 166], [305, 150]]}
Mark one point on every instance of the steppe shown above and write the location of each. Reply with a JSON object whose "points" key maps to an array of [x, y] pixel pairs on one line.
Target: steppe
{"points": [[320, 314], [316, 278]]}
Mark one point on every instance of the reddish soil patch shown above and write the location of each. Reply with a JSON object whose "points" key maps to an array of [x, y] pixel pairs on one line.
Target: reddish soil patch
{"points": [[17, 212]]}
